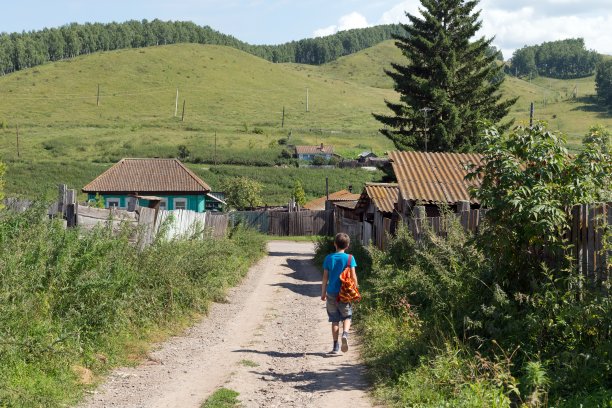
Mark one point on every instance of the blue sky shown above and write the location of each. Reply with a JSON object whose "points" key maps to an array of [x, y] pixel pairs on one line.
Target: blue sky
{"points": [[514, 22]]}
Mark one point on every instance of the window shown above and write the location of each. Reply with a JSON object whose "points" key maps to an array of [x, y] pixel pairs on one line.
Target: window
{"points": [[112, 203], [180, 203], [163, 204]]}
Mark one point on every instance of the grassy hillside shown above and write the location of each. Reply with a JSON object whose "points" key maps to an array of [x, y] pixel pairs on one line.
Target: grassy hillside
{"points": [[553, 98], [229, 96], [233, 110]]}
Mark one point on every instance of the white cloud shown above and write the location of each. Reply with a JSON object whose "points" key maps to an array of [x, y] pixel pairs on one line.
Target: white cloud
{"points": [[516, 23], [398, 13], [346, 22]]}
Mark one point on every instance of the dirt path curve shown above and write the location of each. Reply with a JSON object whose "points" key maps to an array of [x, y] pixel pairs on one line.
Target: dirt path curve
{"points": [[269, 343]]}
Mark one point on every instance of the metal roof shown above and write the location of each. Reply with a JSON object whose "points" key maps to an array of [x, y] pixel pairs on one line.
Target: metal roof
{"points": [[147, 176], [433, 177], [342, 195], [314, 149], [384, 195]]}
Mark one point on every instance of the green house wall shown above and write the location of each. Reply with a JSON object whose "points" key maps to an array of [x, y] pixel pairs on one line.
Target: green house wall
{"points": [[194, 202]]}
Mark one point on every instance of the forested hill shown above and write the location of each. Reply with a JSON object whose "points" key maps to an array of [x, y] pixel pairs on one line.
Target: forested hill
{"points": [[28, 49]]}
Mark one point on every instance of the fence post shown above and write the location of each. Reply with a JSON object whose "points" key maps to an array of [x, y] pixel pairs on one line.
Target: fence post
{"points": [[419, 219], [71, 208]]}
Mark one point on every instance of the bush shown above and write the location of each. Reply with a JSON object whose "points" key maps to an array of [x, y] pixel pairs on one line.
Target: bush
{"points": [[67, 298]]}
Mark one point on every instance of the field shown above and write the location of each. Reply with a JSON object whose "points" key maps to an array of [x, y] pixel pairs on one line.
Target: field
{"points": [[55, 129]]}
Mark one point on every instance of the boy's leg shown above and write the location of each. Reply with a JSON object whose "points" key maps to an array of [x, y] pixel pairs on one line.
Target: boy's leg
{"points": [[346, 325], [335, 330]]}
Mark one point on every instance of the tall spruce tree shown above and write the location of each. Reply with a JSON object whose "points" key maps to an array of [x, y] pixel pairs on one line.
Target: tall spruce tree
{"points": [[450, 84]]}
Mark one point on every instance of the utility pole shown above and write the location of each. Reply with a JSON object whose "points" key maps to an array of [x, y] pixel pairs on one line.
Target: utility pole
{"points": [[425, 110], [176, 103], [98, 98], [531, 109], [183, 115], [307, 100], [283, 121]]}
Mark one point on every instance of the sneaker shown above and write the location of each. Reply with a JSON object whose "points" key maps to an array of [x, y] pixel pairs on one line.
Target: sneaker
{"points": [[344, 342], [335, 351]]}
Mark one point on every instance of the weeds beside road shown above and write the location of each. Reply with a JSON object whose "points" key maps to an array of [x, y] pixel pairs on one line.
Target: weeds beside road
{"points": [[72, 305]]}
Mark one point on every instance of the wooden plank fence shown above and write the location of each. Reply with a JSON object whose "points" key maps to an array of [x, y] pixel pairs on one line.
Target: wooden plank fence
{"points": [[281, 223]]}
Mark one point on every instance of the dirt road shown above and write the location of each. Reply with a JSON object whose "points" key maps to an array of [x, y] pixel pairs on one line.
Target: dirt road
{"points": [[269, 342]]}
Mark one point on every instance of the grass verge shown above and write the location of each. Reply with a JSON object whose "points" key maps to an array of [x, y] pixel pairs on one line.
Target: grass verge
{"points": [[74, 305]]}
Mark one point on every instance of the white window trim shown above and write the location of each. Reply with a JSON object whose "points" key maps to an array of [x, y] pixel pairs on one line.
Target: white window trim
{"points": [[110, 201], [180, 200], [163, 204]]}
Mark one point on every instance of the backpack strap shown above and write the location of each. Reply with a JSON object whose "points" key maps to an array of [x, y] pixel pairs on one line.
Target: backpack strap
{"points": [[348, 262]]}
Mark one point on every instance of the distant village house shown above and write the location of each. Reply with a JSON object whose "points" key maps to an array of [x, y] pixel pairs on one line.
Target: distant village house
{"points": [[309, 153]]}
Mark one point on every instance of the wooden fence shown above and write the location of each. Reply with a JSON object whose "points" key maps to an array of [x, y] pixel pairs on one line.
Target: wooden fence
{"points": [[589, 224], [281, 223]]}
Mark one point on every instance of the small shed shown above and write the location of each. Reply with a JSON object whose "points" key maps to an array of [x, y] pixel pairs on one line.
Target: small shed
{"points": [[342, 196], [377, 206], [364, 156], [168, 181], [433, 180]]}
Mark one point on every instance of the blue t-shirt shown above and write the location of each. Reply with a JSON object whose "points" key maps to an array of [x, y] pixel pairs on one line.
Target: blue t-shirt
{"points": [[335, 264]]}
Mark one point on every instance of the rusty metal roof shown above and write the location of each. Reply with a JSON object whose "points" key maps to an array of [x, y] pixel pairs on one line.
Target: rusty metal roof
{"points": [[342, 195], [314, 149], [147, 175], [433, 177], [383, 195]]}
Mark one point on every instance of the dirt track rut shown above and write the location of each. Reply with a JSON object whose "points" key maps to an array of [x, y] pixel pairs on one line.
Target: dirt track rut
{"points": [[269, 342]]}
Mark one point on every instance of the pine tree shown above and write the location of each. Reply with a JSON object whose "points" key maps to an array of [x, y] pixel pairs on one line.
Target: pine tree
{"points": [[450, 85]]}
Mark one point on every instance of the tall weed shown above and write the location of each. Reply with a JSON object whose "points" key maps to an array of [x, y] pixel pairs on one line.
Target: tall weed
{"points": [[73, 301]]}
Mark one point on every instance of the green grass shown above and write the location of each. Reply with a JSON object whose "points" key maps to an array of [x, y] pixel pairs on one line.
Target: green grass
{"points": [[232, 115], [222, 398], [74, 304], [249, 363]]}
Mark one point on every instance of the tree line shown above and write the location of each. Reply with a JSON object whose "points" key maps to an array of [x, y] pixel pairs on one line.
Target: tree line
{"points": [[28, 49], [603, 83], [564, 59]]}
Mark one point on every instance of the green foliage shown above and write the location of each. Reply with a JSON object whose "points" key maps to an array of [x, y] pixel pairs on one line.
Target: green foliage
{"points": [[98, 201], [29, 49], [530, 182], [183, 152], [67, 297], [298, 193], [556, 59], [242, 193], [222, 398], [603, 81], [449, 85], [2, 171], [319, 161]]}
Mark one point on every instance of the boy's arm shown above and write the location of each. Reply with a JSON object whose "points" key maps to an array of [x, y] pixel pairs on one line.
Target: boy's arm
{"points": [[354, 275], [324, 284]]}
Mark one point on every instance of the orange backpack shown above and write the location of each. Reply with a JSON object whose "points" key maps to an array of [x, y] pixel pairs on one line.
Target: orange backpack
{"points": [[348, 289]]}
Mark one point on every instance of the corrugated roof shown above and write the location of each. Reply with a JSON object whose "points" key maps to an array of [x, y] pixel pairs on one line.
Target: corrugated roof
{"points": [[147, 175], [433, 177], [319, 203], [314, 149], [384, 195]]}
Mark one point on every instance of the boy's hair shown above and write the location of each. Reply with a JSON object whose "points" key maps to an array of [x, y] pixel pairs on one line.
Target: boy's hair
{"points": [[342, 240]]}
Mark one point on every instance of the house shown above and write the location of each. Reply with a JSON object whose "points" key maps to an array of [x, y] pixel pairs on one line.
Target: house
{"points": [[344, 197], [364, 156], [432, 180], [151, 182], [309, 153], [377, 205]]}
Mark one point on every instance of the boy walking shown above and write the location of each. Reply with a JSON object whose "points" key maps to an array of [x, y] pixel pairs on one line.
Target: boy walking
{"points": [[337, 311]]}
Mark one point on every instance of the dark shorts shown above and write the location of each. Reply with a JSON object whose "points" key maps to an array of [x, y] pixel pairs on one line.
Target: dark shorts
{"points": [[338, 311]]}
